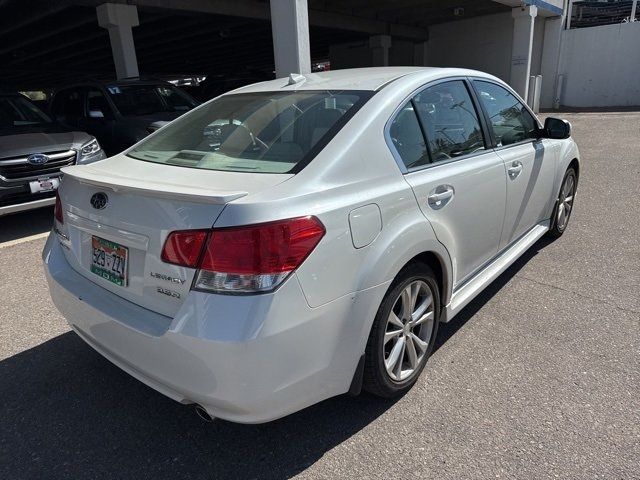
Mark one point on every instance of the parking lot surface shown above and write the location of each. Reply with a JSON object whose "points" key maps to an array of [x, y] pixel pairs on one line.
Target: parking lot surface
{"points": [[539, 377]]}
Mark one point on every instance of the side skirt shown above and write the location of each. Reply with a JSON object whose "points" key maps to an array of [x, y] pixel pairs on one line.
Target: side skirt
{"points": [[466, 292]]}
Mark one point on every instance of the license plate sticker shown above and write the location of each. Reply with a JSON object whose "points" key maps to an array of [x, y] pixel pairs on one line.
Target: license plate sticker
{"points": [[44, 185], [109, 260]]}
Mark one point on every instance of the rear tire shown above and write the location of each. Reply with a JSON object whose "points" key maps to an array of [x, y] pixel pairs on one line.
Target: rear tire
{"points": [[403, 332], [564, 204]]}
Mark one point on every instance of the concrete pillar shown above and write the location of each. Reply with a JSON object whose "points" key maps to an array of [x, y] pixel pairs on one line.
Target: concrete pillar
{"points": [[523, 22], [421, 54], [290, 29], [380, 45], [551, 60], [119, 19]]}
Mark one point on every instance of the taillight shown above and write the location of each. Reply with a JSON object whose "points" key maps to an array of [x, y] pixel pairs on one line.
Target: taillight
{"points": [[247, 259], [184, 247], [57, 209]]}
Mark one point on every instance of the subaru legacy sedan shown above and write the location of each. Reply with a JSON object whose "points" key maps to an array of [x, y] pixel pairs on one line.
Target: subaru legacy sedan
{"points": [[303, 237]]}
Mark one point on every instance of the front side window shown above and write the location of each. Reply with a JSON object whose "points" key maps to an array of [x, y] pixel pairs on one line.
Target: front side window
{"points": [[265, 132], [510, 120], [97, 105], [450, 120]]}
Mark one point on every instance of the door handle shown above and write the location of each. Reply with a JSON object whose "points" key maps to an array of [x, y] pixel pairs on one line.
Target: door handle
{"points": [[440, 197], [515, 169]]}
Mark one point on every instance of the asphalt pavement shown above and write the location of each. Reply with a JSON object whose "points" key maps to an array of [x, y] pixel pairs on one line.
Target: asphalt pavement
{"points": [[539, 377]]}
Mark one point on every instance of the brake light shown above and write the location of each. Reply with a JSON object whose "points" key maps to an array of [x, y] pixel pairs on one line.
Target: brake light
{"points": [[57, 209], [183, 247], [247, 259]]}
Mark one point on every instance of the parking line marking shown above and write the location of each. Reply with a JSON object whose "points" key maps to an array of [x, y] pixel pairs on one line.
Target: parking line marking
{"points": [[18, 241]]}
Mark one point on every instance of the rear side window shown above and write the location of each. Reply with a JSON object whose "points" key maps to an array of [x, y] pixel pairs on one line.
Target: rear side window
{"points": [[406, 135], [265, 132], [510, 120], [97, 105]]}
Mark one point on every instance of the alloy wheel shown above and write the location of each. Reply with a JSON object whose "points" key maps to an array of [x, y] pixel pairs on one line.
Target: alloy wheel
{"points": [[408, 330]]}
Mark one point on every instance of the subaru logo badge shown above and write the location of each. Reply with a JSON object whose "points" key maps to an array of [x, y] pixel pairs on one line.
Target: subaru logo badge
{"points": [[99, 200], [37, 159]]}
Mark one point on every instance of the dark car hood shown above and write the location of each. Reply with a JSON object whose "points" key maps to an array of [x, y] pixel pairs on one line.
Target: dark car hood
{"points": [[42, 141]]}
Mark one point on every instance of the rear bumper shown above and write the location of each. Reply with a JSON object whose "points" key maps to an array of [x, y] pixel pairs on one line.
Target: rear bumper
{"points": [[248, 359]]}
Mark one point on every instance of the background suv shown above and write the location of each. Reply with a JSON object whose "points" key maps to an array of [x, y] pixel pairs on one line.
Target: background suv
{"points": [[119, 113], [33, 149]]}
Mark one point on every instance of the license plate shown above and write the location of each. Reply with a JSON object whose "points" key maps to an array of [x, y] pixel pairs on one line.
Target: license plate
{"points": [[109, 260], [44, 185]]}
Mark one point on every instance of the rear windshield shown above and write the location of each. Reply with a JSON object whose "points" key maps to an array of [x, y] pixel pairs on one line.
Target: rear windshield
{"points": [[265, 132]]}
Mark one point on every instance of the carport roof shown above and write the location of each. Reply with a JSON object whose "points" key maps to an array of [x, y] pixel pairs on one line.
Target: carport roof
{"points": [[46, 44]]}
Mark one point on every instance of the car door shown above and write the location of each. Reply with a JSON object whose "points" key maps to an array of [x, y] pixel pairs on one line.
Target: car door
{"points": [[529, 160], [98, 118], [458, 181], [68, 107]]}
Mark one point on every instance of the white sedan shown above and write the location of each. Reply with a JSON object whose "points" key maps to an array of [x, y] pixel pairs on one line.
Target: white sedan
{"points": [[303, 237]]}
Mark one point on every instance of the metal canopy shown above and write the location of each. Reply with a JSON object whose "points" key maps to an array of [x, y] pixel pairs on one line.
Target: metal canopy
{"points": [[44, 44]]}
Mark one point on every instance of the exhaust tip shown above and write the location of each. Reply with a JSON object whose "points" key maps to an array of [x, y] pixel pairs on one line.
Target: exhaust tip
{"points": [[203, 414]]}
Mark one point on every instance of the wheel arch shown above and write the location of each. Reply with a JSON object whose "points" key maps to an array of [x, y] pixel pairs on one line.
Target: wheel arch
{"points": [[437, 264], [575, 164]]}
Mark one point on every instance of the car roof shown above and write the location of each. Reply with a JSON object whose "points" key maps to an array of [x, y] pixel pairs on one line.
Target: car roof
{"points": [[370, 78], [104, 82]]}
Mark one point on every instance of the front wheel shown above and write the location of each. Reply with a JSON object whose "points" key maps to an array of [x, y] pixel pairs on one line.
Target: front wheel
{"points": [[564, 204], [403, 332]]}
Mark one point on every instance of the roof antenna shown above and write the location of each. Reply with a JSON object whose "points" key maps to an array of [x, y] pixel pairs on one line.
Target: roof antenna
{"points": [[296, 78]]}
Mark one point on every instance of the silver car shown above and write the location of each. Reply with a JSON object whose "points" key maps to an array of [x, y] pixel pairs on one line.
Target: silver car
{"points": [[33, 149], [303, 237]]}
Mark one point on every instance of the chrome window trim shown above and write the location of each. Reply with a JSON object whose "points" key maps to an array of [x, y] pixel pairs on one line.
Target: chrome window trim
{"points": [[407, 99], [518, 144], [439, 163]]}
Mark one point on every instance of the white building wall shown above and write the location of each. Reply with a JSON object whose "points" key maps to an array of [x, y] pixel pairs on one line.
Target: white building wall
{"points": [[482, 43], [601, 66]]}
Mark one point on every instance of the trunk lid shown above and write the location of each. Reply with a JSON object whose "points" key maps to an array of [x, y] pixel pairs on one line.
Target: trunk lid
{"points": [[145, 202]]}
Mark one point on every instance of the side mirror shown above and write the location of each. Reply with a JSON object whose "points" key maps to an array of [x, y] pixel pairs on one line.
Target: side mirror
{"points": [[96, 114], [556, 128]]}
